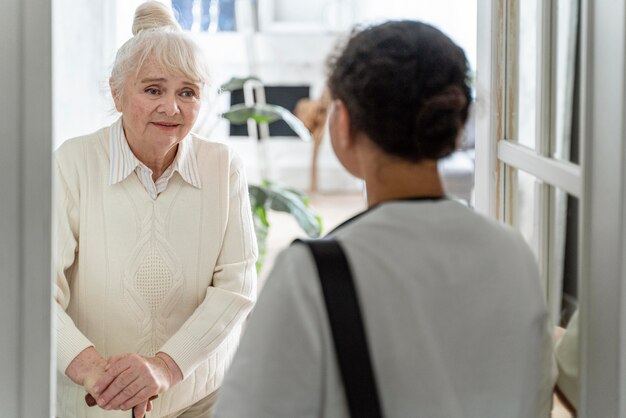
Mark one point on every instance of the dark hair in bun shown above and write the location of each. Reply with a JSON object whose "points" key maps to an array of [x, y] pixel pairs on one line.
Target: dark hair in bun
{"points": [[405, 85]]}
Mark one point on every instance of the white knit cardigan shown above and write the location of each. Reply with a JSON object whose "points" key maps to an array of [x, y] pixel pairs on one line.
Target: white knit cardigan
{"points": [[175, 274]]}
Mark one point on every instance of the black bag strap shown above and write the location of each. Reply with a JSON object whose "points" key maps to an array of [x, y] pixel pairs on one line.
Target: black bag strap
{"points": [[346, 324]]}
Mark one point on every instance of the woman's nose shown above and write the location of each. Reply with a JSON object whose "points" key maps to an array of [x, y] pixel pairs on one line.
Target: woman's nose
{"points": [[169, 105]]}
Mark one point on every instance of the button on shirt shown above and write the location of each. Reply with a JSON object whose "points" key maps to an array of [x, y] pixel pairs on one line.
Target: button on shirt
{"points": [[124, 162]]}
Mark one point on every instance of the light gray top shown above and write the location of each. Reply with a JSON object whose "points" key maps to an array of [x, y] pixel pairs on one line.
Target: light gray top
{"points": [[454, 312]]}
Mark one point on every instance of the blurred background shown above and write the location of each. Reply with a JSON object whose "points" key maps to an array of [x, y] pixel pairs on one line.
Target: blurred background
{"points": [[283, 43]]}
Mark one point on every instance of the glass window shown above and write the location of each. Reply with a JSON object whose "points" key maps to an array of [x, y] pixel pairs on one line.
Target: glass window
{"points": [[527, 73], [547, 217], [565, 138], [525, 216], [205, 15]]}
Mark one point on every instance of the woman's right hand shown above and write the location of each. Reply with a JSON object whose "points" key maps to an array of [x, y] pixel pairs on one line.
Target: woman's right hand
{"points": [[139, 411], [131, 379], [86, 369]]}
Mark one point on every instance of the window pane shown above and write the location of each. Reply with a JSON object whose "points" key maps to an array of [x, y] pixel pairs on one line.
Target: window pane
{"points": [[566, 79], [547, 218], [565, 249], [205, 15], [527, 73], [524, 211]]}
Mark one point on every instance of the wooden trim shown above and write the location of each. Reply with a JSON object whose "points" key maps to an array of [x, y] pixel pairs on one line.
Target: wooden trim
{"points": [[490, 73]]}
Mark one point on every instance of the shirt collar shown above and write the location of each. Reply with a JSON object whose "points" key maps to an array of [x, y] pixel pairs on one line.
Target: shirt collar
{"points": [[123, 162]]}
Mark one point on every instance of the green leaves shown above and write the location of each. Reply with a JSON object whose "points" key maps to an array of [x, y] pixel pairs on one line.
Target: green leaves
{"points": [[266, 113], [261, 113], [236, 83], [269, 196], [282, 199]]}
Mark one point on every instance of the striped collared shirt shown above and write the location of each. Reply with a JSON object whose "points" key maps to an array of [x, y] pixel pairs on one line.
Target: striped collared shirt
{"points": [[124, 162]]}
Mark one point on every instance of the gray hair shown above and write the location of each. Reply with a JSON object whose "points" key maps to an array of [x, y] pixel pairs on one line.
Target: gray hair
{"points": [[158, 38]]}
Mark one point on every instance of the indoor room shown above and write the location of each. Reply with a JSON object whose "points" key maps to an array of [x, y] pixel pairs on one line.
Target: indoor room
{"points": [[538, 154]]}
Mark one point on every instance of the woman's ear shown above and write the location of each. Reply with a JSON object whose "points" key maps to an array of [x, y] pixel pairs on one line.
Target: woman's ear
{"points": [[343, 139], [340, 125]]}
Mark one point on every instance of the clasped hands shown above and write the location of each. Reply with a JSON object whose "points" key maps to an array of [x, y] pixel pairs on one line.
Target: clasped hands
{"points": [[124, 381]]}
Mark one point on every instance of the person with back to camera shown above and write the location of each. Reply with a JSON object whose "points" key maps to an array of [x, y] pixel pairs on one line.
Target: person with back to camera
{"points": [[155, 267], [452, 305]]}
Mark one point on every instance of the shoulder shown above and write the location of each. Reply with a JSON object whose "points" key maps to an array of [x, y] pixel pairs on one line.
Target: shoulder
{"points": [[509, 255], [448, 224], [488, 234], [89, 140], [294, 257], [293, 273], [83, 149], [501, 236], [207, 150], [489, 227]]}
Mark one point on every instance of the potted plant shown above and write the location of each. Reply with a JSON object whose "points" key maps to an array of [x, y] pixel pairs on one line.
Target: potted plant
{"points": [[268, 195]]}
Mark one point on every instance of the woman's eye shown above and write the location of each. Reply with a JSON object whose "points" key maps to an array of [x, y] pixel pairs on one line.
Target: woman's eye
{"points": [[152, 91], [188, 94]]}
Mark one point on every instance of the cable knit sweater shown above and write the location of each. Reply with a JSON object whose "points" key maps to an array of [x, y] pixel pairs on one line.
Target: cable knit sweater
{"points": [[133, 274]]}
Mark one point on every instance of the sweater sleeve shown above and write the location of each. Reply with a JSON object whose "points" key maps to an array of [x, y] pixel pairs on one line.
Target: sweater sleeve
{"points": [[70, 340], [233, 291]]}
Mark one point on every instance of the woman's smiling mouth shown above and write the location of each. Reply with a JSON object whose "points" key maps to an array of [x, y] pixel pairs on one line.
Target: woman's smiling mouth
{"points": [[166, 125]]}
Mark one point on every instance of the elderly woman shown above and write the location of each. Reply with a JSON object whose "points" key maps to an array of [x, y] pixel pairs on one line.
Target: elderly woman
{"points": [[453, 309], [155, 245]]}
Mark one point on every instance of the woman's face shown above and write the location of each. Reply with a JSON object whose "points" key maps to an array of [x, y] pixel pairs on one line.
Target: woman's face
{"points": [[159, 108]]}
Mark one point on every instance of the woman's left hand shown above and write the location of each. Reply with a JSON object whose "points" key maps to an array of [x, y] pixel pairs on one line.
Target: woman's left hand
{"points": [[131, 379]]}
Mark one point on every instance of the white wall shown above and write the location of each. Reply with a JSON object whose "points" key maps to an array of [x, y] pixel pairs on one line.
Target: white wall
{"points": [[457, 18], [83, 48]]}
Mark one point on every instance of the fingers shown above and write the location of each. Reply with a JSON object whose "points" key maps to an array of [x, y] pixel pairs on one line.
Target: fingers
{"points": [[90, 401], [140, 397], [114, 359], [115, 366], [124, 387], [139, 411], [129, 381]]}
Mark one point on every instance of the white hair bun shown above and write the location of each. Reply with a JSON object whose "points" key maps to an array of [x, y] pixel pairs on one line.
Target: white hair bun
{"points": [[154, 15]]}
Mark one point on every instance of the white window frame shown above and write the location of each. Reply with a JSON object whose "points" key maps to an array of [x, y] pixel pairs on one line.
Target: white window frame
{"points": [[498, 157], [599, 182], [26, 350], [603, 247]]}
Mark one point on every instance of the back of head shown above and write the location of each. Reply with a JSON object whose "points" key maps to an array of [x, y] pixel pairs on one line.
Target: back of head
{"points": [[405, 85], [158, 39]]}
